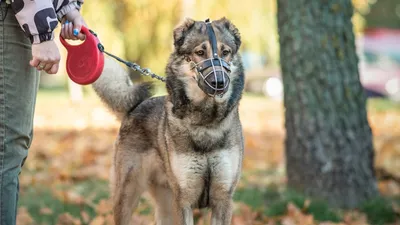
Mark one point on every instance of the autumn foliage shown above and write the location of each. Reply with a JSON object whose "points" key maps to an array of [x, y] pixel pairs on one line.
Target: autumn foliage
{"points": [[73, 146]]}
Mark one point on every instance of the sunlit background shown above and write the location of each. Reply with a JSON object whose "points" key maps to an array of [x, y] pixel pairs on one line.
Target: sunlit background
{"points": [[65, 178]]}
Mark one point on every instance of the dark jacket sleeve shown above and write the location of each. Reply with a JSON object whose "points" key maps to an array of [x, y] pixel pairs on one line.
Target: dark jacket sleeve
{"points": [[39, 18]]}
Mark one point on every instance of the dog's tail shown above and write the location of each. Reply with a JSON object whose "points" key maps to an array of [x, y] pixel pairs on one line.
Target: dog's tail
{"points": [[116, 90]]}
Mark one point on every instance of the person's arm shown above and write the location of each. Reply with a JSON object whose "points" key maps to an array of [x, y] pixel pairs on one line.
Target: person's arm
{"points": [[66, 6], [39, 18]]}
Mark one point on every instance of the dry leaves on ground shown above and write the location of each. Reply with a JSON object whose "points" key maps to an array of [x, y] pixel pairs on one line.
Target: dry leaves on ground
{"points": [[74, 142]]}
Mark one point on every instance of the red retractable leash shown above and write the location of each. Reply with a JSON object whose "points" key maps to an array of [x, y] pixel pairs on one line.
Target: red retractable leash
{"points": [[85, 62]]}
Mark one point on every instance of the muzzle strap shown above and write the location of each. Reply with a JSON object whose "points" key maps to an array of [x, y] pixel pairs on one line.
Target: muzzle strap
{"points": [[212, 38], [214, 81], [210, 63]]}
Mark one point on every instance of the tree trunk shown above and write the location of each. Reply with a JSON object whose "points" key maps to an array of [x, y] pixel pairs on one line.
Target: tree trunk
{"points": [[329, 149]]}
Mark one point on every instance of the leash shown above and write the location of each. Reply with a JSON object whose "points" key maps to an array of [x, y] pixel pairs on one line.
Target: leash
{"points": [[132, 65], [85, 62]]}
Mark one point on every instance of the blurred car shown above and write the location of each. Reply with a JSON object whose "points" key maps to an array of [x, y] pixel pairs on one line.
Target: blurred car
{"points": [[379, 68], [265, 81], [379, 65]]}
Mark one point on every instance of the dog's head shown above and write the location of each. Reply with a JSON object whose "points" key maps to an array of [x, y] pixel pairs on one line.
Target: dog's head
{"points": [[206, 56]]}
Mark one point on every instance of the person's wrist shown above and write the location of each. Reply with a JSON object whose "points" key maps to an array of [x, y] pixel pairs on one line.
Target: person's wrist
{"points": [[67, 9], [40, 38], [72, 15], [43, 42]]}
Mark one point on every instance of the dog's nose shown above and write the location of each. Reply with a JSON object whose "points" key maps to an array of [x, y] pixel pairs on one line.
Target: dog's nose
{"points": [[219, 80], [219, 83]]}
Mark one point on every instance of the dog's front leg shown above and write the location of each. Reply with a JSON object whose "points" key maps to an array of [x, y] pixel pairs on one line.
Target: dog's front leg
{"points": [[226, 166], [188, 216], [221, 212], [188, 170], [183, 215]]}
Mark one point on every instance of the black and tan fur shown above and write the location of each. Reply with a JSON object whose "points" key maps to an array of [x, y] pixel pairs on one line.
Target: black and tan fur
{"points": [[185, 148]]}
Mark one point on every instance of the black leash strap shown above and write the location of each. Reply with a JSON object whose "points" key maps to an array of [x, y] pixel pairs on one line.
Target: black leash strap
{"points": [[134, 66]]}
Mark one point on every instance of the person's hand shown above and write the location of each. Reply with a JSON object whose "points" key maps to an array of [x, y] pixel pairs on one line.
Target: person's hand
{"points": [[46, 56], [71, 28]]}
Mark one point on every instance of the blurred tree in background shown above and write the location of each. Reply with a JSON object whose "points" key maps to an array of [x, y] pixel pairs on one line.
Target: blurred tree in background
{"points": [[383, 14], [138, 31], [329, 149], [141, 30]]}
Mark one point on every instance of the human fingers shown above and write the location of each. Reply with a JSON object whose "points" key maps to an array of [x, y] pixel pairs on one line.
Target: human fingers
{"points": [[78, 23], [47, 67], [34, 62], [54, 69], [45, 55], [70, 28]]}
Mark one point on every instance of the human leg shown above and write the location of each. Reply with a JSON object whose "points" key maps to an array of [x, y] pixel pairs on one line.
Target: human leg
{"points": [[18, 88]]}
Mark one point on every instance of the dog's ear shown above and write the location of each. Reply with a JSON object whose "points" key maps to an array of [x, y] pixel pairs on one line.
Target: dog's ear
{"points": [[181, 31], [233, 30]]}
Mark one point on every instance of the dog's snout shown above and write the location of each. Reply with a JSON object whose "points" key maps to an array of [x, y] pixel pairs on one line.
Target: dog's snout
{"points": [[219, 83], [217, 79]]}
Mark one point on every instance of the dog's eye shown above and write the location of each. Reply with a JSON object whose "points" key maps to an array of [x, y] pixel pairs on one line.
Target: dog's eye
{"points": [[226, 52], [200, 53]]}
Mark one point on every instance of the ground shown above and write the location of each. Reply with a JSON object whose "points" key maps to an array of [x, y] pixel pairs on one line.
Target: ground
{"points": [[65, 178]]}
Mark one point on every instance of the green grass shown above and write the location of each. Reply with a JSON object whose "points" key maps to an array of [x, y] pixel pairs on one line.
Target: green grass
{"points": [[381, 105], [379, 211], [97, 188], [318, 208], [273, 202], [253, 197], [36, 197]]}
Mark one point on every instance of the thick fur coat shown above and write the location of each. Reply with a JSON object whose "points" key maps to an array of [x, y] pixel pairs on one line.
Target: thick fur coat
{"points": [[185, 148]]}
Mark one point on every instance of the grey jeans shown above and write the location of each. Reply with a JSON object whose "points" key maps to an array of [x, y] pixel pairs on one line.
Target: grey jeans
{"points": [[18, 88]]}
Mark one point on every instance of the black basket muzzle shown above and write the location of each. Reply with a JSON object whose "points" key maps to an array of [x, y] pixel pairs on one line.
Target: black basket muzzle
{"points": [[213, 73]]}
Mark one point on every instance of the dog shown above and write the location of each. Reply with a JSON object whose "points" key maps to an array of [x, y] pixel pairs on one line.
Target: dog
{"points": [[184, 148]]}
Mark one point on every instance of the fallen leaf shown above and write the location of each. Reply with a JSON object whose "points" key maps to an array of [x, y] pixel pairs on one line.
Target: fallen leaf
{"points": [[396, 207], [307, 203], [288, 221], [46, 211], [67, 219], [85, 217], [109, 220], [104, 207], [99, 220], [23, 217]]}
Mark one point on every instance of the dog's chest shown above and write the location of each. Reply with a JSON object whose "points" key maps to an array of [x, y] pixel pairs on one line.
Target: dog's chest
{"points": [[200, 175], [207, 140]]}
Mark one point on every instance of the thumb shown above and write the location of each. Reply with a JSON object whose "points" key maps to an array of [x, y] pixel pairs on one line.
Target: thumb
{"points": [[77, 29]]}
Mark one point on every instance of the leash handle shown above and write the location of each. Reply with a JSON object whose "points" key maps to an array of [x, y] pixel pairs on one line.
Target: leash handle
{"points": [[84, 61], [84, 30]]}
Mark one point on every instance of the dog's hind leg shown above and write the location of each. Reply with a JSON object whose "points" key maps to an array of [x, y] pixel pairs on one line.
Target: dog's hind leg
{"points": [[129, 187]]}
